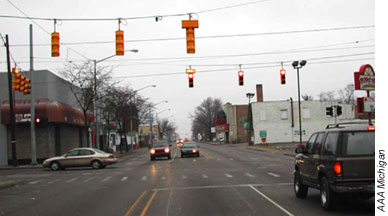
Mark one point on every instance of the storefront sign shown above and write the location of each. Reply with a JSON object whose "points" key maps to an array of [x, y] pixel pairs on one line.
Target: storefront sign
{"points": [[365, 78]]}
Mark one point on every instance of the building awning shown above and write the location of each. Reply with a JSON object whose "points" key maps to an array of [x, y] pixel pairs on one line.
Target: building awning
{"points": [[45, 109]]}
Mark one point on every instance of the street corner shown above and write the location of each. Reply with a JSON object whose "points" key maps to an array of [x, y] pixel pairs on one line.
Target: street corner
{"points": [[8, 183]]}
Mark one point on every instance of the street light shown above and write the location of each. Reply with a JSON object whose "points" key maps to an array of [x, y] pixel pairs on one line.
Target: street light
{"points": [[249, 96], [295, 65], [130, 110], [97, 134]]}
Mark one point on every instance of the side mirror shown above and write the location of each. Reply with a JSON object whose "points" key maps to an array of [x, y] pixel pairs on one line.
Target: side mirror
{"points": [[299, 149]]}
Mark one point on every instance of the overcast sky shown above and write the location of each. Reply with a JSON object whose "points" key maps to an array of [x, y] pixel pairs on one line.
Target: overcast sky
{"points": [[260, 55]]}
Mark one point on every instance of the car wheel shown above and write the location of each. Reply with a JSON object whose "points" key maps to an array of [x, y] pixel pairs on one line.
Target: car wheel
{"points": [[152, 158], [96, 164], [299, 188], [54, 166], [198, 154], [169, 157], [182, 155], [327, 195]]}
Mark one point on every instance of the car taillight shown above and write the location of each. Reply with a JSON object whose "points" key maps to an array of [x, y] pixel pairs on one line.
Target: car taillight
{"points": [[111, 156], [194, 150], [152, 151], [371, 128], [166, 150], [337, 168]]}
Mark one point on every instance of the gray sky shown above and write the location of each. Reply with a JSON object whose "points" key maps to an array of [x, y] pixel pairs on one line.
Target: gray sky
{"points": [[255, 51]]}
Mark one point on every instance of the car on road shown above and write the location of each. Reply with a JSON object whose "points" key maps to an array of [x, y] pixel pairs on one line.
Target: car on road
{"points": [[339, 161], [189, 148], [160, 149], [81, 157], [179, 142]]}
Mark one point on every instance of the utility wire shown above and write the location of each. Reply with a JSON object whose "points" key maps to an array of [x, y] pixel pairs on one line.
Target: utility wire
{"points": [[131, 18], [32, 20], [212, 36]]}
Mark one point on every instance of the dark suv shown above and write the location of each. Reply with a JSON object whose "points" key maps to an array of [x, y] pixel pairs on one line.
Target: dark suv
{"points": [[339, 160]]}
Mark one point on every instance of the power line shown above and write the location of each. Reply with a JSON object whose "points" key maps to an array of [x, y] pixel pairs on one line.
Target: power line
{"points": [[158, 17], [212, 36]]}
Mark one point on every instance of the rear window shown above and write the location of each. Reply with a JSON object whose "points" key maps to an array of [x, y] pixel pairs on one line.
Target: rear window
{"points": [[358, 143], [160, 144]]}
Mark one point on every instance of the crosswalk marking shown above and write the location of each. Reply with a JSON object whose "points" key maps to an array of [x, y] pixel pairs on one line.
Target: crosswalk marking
{"points": [[89, 179], [249, 175], [274, 175], [144, 178], [205, 176], [228, 175], [124, 178], [106, 179], [71, 180]]}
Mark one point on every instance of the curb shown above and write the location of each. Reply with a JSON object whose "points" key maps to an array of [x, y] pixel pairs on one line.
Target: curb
{"points": [[7, 184], [39, 166], [268, 149]]}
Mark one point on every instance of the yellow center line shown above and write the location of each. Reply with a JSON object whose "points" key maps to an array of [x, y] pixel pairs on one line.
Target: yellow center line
{"points": [[135, 204], [207, 156], [148, 204]]}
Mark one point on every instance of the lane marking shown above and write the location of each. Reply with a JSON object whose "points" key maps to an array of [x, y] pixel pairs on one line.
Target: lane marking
{"points": [[106, 179], [231, 159], [144, 178], [274, 175], [205, 176], [222, 186], [270, 200], [184, 177], [34, 182], [135, 203], [228, 175], [71, 180], [87, 173], [89, 179], [124, 178], [55, 180], [249, 175], [148, 204], [163, 177]]}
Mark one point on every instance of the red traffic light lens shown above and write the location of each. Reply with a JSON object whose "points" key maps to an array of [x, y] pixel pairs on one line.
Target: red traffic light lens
{"points": [[283, 72], [37, 120], [241, 73], [191, 76]]}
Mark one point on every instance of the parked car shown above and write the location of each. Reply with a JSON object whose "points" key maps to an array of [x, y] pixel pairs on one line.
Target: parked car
{"points": [[160, 149], [338, 161], [189, 148], [81, 157]]}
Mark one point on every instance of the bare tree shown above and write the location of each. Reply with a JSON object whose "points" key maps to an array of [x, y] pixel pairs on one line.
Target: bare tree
{"points": [[327, 96], [346, 95], [204, 117], [84, 84], [165, 127], [307, 97]]}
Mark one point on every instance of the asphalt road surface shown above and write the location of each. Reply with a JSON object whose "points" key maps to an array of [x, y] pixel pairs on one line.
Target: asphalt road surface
{"points": [[224, 180]]}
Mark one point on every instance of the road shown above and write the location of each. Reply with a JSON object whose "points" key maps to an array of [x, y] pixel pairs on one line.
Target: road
{"points": [[225, 180]]}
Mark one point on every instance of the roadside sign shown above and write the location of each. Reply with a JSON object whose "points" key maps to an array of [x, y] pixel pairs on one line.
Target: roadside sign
{"points": [[263, 134], [369, 104], [365, 78]]}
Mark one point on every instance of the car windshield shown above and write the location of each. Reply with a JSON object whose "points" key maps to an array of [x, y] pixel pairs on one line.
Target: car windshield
{"points": [[359, 143], [189, 145], [160, 144]]}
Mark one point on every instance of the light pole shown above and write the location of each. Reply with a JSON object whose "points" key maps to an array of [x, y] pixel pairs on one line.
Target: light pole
{"points": [[130, 109], [151, 120], [161, 112], [97, 133], [249, 96], [295, 65]]}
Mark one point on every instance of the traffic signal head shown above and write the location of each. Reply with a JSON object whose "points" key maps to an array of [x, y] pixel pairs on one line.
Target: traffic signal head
{"points": [[55, 44], [329, 111], [191, 80], [189, 25], [241, 78], [119, 42], [339, 110], [283, 76]]}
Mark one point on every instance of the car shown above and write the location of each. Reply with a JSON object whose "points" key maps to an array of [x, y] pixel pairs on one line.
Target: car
{"points": [[81, 157], [339, 161], [179, 142], [189, 148], [160, 149]]}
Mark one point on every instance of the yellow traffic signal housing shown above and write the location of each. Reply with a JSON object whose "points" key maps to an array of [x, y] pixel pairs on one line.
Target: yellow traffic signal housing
{"points": [[189, 25], [55, 44], [119, 42], [27, 86]]}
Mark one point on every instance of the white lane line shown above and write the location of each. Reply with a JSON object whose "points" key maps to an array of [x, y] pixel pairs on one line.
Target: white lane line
{"points": [[34, 182], [205, 176], [249, 175], [270, 200], [163, 177], [144, 178], [218, 159], [88, 179], [129, 163], [55, 180], [71, 180], [106, 179], [124, 178], [228, 175], [87, 173], [184, 177], [274, 175], [231, 159]]}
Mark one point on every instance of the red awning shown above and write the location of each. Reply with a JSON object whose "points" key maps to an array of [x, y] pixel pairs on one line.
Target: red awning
{"points": [[45, 109]]}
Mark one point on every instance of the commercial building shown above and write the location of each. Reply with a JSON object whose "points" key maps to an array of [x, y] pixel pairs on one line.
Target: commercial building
{"points": [[61, 125]]}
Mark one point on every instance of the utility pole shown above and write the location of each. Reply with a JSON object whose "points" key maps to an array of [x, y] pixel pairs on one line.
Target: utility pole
{"points": [[32, 102], [11, 108], [151, 135], [95, 106]]}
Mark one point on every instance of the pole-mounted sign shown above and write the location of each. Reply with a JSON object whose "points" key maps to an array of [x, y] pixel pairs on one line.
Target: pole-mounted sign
{"points": [[365, 78]]}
